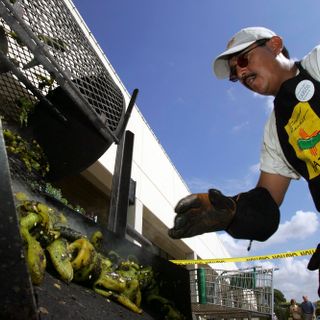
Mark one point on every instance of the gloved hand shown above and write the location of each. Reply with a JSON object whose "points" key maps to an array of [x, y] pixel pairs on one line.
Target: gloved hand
{"points": [[314, 262], [202, 212]]}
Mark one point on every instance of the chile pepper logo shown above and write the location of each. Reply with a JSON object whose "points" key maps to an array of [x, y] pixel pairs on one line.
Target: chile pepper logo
{"points": [[304, 135], [309, 141]]}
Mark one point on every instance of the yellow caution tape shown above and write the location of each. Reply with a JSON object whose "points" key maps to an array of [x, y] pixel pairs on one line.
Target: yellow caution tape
{"points": [[289, 254]]}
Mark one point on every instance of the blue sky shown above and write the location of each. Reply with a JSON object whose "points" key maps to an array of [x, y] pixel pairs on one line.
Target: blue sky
{"points": [[211, 129]]}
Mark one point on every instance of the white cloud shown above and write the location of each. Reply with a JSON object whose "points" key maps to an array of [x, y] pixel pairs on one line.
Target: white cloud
{"points": [[228, 186], [255, 168], [230, 94], [289, 230], [240, 126], [199, 185], [268, 106], [236, 248], [291, 275], [234, 186], [301, 226], [293, 278]]}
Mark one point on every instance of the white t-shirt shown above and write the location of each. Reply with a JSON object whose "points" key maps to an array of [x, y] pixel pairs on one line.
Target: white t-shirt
{"points": [[272, 159]]}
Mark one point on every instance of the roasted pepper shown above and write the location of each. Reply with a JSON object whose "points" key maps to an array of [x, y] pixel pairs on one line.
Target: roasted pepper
{"points": [[60, 258]]}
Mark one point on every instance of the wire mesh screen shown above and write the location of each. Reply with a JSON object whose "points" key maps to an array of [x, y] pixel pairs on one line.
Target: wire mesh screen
{"points": [[228, 291], [54, 81], [44, 44]]}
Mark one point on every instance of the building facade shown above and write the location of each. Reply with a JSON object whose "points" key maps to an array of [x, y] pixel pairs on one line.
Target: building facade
{"points": [[159, 185]]}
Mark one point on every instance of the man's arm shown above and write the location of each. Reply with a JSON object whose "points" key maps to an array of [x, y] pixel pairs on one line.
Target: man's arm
{"points": [[258, 215], [276, 184], [250, 215]]}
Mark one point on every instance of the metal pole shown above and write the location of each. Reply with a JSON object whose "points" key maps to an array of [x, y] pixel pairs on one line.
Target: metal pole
{"points": [[272, 294], [16, 294], [117, 220], [202, 288]]}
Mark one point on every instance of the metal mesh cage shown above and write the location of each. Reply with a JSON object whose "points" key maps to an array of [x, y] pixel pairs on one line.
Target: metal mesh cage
{"points": [[43, 45], [227, 293], [54, 78]]}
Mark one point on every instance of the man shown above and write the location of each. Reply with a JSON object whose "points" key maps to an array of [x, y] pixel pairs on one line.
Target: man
{"points": [[307, 309], [257, 58]]}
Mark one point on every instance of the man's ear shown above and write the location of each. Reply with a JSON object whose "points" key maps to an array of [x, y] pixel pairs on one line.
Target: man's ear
{"points": [[275, 44]]}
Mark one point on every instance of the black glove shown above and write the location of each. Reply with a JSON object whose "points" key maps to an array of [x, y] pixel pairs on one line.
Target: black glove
{"points": [[314, 262], [202, 212], [251, 215]]}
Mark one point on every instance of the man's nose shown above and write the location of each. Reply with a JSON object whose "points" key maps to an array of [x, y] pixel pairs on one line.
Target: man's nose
{"points": [[241, 72]]}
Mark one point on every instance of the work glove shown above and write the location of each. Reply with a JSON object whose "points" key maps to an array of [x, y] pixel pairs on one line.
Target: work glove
{"points": [[252, 215], [314, 264], [201, 213]]}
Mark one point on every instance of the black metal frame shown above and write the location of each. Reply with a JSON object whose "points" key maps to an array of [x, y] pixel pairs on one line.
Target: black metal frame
{"points": [[123, 192], [13, 17], [16, 294], [117, 220]]}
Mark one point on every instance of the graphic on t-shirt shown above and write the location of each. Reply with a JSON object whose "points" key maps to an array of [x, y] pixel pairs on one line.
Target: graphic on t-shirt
{"points": [[309, 142], [304, 136]]}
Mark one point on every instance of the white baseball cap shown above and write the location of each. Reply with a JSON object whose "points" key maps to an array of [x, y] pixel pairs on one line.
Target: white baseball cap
{"points": [[240, 41]]}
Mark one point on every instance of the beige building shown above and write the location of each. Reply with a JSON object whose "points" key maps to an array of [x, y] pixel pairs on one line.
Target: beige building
{"points": [[158, 184]]}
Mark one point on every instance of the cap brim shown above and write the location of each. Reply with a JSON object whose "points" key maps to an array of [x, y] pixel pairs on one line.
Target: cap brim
{"points": [[220, 64]]}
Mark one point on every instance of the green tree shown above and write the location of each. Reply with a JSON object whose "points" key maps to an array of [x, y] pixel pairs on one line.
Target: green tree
{"points": [[278, 296], [281, 306], [317, 308]]}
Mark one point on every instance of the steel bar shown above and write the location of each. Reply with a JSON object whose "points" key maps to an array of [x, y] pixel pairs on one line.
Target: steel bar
{"points": [[117, 220], [16, 294]]}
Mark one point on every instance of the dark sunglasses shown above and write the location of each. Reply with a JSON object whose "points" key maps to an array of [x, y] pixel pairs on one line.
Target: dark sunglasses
{"points": [[242, 60]]}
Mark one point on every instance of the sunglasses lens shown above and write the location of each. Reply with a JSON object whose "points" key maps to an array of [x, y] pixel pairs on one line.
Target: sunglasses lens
{"points": [[233, 74], [242, 61]]}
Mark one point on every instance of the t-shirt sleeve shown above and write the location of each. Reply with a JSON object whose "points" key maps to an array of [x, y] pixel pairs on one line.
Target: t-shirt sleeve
{"points": [[272, 159], [311, 62]]}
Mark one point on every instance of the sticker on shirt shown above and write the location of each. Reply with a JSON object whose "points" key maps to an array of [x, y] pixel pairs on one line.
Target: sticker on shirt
{"points": [[304, 136], [304, 90]]}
